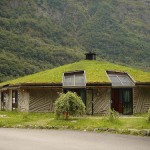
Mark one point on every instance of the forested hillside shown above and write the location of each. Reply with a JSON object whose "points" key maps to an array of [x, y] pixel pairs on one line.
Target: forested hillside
{"points": [[40, 34]]}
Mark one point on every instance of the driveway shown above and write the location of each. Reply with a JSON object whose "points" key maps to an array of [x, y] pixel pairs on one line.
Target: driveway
{"points": [[35, 139]]}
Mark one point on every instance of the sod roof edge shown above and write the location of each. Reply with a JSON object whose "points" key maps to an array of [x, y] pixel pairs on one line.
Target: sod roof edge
{"points": [[95, 74]]}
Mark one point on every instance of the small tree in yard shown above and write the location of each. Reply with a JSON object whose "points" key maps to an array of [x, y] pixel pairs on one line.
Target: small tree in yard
{"points": [[69, 104]]}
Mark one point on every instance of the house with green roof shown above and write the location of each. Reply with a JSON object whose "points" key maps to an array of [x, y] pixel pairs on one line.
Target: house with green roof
{"points": [[101, 85]]}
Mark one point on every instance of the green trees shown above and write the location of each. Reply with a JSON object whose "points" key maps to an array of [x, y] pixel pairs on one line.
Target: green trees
{"points": [[48, 33], [69, 104]]}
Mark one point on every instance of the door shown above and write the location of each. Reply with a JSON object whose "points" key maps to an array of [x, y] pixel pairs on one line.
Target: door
{"points": [[117, 103], [122, 101], [127, 97]]}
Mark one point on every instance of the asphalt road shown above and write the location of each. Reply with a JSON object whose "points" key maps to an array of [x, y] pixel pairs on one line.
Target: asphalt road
{"points": [[28, 139]]}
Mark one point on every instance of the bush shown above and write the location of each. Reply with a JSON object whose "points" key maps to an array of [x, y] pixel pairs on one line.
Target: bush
{"points": [[113, 115], [69, 104]]}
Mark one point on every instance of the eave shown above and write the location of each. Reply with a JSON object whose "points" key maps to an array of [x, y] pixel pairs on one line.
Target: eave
{"points": [[59, 85], [142, 84]]}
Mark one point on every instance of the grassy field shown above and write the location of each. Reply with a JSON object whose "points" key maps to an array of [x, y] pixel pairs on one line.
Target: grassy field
{"points": [[86, 123]]}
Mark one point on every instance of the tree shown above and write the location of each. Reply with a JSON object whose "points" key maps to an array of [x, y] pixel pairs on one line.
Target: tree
{"points": [[69, 104]]}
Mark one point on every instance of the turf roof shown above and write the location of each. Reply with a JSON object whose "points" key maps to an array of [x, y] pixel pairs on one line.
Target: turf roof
{"points": [[95, 73]]}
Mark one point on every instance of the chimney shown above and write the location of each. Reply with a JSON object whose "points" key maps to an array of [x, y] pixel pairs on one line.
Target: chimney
{"points": [[90, 56]]}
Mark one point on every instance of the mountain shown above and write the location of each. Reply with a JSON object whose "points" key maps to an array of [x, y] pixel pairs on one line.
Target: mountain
{"points": [[39, 34]]}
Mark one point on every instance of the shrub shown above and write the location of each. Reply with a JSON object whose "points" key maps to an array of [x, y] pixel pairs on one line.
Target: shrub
{"points": [[69, 104], [113, 115]]}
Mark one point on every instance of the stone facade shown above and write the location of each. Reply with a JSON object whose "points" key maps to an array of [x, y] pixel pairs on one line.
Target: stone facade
{"points": [[42, 100], [23, 100], [101, 100], [141, 99]]}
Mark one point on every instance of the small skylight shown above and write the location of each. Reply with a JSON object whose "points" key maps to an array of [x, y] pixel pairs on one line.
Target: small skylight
{"points": [[77, 78], [119, 79]]}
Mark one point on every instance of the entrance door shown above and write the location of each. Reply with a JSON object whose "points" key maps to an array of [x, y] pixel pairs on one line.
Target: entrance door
{"points": [[122, 101], [127, 101], [117, 103], [14, 100]]}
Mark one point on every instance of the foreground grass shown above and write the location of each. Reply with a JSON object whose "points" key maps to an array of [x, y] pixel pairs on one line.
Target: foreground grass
{"points": [[87, 123]]}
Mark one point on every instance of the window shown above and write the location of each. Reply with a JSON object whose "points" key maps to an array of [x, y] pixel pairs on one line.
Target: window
{"points": [[74, 79], [120, 79]]}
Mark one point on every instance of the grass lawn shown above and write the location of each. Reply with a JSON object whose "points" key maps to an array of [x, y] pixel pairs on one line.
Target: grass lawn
{"points": [[86, 123]]}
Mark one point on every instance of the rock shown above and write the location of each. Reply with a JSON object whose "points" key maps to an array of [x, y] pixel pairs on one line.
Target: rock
{"points": [[134, 131], [144, 132], [102, 129], [111, 130], [96, 129], [148, 133]]}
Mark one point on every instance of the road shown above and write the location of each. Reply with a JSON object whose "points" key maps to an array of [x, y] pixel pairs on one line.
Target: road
{"points": [[35, 139]]}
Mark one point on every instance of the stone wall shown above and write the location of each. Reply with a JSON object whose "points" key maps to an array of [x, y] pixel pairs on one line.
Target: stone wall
{"points": [[141, 99], [9, 100], [23, 100], [101, 100], [42, 100]]}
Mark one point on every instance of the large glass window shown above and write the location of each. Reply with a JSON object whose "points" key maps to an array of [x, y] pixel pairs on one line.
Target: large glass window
{"points": [[68, 80], [120, 79], [74, 79]]}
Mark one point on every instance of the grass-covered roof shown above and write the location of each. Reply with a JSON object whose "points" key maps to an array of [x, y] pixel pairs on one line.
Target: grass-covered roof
{"points": [[95, 73]]}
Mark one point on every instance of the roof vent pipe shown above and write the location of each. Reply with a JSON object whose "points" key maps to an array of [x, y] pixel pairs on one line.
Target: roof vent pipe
{"points": [[90, 56]]}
